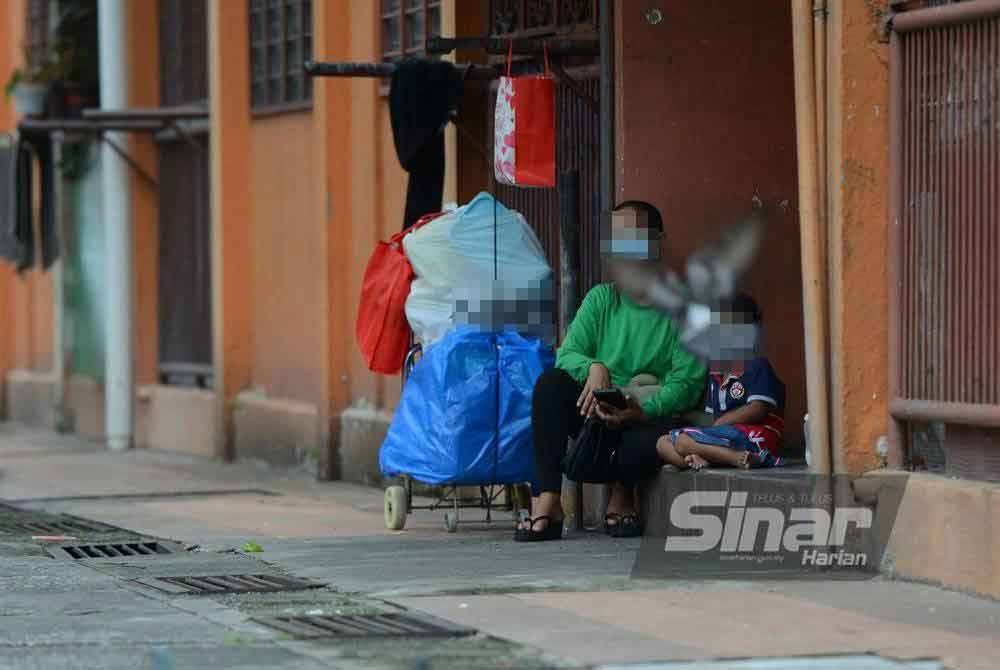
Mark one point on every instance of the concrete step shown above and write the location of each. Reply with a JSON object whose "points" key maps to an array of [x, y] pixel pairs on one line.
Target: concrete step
{"points": [[658, 493]]}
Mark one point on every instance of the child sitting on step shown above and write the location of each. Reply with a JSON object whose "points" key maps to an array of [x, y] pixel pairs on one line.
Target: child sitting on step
{"points": [[747, 399]]}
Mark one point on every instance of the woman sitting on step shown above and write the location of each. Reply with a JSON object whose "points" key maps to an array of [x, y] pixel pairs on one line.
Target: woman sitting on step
{"points": [[611, 340]]}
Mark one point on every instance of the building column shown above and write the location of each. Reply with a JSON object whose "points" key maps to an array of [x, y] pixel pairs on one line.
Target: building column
{"points": [[119, 382], [334, 170], [858, 136], [231, 211], [144, 92]]}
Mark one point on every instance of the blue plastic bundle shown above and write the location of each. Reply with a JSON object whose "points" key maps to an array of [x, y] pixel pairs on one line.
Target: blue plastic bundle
{"points": [[465, 413]]}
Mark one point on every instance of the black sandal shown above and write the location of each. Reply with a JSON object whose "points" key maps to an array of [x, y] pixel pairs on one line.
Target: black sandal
{"points": [[609, 528], [629, 526], [552, 531]]}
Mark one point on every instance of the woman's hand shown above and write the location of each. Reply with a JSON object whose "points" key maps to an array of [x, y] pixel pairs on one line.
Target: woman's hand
{"points": [[619, 418], [598, 378]]}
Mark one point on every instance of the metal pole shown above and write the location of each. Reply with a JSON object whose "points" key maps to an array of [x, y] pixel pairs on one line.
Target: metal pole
{"points": [[606, 177], [897, 428], [569, 297], [59, 367], [493, 45], [812, 238], [607, 101], [384, 70], [118, 391], [569, 247], [945, 15]]}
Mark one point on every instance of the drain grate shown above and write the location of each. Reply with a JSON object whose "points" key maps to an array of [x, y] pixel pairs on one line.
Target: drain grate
{"points": [[30, 524], [372, 625], [111, 550], [216, 584]]}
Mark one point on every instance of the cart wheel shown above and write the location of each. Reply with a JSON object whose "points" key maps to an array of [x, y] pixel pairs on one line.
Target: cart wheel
{"points": [[395, 508], [451, 521]]}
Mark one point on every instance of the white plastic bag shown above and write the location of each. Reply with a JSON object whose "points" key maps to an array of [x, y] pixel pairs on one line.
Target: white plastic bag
{"points": [[429, 309], [453, 258]]}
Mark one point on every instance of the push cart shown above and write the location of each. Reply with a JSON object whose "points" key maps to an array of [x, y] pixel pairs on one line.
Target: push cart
{"points": [[399, 503]]}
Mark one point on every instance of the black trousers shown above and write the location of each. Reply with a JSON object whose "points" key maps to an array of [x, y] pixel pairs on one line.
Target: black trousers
{"points": [[555, 418]]}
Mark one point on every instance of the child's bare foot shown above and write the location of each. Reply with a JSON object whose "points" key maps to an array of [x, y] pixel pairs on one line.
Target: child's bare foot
{"points": [[695, 462], [747, 461]]}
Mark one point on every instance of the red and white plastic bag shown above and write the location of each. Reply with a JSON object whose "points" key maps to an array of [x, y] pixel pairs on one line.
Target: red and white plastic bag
{"points": [[524, 137]]}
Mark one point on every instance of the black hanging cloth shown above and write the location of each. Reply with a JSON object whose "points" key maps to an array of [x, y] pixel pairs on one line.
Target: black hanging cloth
{"points": [[423, 97], [17, 227]]}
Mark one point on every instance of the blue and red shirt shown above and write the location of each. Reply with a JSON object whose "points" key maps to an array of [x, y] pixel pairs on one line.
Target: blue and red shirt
{"points": [[759, 381]]}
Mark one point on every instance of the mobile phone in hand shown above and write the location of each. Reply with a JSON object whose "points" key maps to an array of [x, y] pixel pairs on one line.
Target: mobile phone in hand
{"points": [[611, 396]]}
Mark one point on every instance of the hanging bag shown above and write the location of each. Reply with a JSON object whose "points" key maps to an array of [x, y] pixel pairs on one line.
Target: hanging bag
{"points": [[524, 136], [382, 330], [591, 457]]}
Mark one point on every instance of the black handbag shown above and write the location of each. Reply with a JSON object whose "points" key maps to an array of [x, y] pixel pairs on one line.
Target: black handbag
{"points": [[591, 457]]}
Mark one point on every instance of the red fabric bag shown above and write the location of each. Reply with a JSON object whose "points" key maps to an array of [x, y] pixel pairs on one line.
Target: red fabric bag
{"points": [[382, 331], [524, 139]]}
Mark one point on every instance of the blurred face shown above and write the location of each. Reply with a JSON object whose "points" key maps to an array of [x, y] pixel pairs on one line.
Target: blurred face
{"points": [[627, 233], [738, 333]]}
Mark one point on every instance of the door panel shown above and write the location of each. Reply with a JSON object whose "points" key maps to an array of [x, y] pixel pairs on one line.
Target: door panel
{"points": [[185, 295]]}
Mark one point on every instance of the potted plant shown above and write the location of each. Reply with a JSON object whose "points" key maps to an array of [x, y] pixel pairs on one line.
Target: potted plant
{"points": [[29, 86]]}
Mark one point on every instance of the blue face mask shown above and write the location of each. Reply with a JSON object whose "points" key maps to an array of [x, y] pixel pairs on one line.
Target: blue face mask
{"points": [[635, 249], [627, 234]]}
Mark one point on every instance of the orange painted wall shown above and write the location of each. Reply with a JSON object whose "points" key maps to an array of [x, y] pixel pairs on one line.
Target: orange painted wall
{"points": [[233, 295], [704, 118], [332, 133], [25, 300], [29, 315], [325, 186], [859, 244], [362, 189], [31, 318], [144, 91], [464, 173], [367, 205], [298, 235], [12, 34], [288, 257], [8, 60]]}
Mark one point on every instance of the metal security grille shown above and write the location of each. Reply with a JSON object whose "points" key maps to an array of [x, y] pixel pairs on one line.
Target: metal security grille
{"points": [[373, 625], [542, 17], [217, 584], [577, 148], [944, 269], [116, 550]]}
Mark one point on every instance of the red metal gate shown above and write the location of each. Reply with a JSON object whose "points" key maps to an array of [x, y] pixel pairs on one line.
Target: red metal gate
{"points": [[576, 149], [945, 229]]}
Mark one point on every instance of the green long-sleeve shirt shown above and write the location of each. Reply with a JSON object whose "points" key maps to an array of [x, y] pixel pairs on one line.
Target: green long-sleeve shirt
{"points": [[629, 340]]}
